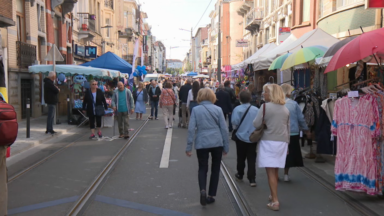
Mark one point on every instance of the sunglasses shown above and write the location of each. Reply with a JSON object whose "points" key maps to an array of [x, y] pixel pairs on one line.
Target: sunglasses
{"points": [[94, 84]]}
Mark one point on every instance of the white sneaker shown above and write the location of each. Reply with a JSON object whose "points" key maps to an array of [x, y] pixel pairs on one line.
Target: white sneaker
{"points": [[166, 127], [286, 178], [170, 126]]}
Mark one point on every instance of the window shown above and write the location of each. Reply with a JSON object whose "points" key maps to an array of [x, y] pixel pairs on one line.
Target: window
{"points": [[306, 6], [126, 19], [56, 30], [98, 17], [266, 35], [134, 19], [20, 20], [108, 29], [282, 23], [273, 31], [68, 24]]}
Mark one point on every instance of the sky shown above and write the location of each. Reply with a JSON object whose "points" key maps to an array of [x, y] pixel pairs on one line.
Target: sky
{"points": [[167, 16]]}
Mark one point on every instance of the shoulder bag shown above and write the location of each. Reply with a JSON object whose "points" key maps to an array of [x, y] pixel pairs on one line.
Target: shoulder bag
{"points": [[234, 137], [174, 102], [212, 116], [258, 133], [99, 109]]}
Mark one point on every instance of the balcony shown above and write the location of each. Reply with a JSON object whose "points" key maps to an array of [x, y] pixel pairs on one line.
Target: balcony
{"points": [[253, 20], [128, 58], [128, 33], [108, 4], [243, 10], [26, 54], [86, 27]]}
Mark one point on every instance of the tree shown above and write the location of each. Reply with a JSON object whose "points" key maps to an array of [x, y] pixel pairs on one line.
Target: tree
{"points": [[189, 67], [169, 70]]}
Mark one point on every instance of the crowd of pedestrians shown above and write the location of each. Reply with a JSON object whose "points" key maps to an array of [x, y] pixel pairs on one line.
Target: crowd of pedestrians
{"points": [[208, 131], [210, 112]]}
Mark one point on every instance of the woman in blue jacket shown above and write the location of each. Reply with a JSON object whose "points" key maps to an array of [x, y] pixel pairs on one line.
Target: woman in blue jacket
{"points": [[297, 123], [208, 131]]}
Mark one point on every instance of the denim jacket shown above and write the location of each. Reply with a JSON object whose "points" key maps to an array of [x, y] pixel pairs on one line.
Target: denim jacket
{"points": [[246, 127], [296, 117], [206, 132]]}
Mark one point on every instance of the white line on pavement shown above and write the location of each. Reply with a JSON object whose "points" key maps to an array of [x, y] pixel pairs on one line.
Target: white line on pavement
{"points": [[164, 163]]}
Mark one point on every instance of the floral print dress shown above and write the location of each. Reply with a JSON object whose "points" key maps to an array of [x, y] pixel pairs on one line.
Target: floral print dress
{"points": [[356, 128]]}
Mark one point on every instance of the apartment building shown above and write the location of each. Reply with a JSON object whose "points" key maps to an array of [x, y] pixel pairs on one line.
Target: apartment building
{"points": [[264, 22], [160, 57]]}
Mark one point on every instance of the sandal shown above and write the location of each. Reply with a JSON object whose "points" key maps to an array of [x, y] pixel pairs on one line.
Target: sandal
{"points": [[275, 206]]}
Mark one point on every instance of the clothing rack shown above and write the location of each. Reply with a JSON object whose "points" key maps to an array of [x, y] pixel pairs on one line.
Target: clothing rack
{"points": [[343, 84], [366, 81]]}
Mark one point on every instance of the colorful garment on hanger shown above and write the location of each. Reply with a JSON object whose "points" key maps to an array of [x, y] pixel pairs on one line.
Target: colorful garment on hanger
{"points": [[356, 128]]}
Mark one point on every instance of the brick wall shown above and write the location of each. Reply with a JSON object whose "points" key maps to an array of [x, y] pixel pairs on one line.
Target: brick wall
{"points": [[6, 9]]}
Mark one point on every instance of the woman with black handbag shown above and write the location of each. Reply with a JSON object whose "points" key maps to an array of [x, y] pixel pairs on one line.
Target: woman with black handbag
{"points": [[242, 120], [94, 104]]}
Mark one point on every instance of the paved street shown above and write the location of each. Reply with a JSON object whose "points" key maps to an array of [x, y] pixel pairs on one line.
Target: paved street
{"points": [[136, 185]]}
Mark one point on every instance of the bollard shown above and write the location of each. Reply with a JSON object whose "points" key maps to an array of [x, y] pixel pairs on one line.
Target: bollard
{"points": [[28, 112], [68, 110]]}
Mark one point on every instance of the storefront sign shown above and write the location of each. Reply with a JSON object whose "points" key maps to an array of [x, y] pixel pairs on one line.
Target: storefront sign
{"points": [[374, 4], [90, 52], [242, 43], [79, 50], [284, 33]]}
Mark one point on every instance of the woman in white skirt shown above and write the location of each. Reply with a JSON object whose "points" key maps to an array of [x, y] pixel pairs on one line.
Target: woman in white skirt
{"points": [[273, 145]]}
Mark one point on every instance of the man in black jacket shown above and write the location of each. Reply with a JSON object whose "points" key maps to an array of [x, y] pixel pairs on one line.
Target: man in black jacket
{"points": [[232, 95], [223, 101], [183, 95], [154, 95], [50, 98]]}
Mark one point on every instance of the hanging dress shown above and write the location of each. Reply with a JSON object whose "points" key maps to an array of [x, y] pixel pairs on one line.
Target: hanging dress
{"points": [[356, 128]]}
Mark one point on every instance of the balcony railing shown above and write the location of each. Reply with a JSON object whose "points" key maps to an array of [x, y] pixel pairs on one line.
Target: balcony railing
{"points": [[108, 4], [91, 25], [128, 33], [254, 18], [26, 54]]}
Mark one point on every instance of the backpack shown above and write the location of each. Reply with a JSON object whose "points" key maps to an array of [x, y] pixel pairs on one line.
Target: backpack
{"points": [[8, 124]]}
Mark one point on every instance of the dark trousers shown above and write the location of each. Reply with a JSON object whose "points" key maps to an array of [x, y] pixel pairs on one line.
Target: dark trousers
{"points": [[50, 117], [154, 107], [246, 151], [203, 157], [230, 128], [92, 119]]}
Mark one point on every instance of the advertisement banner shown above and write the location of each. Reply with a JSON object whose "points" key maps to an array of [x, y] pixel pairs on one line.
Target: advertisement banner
{"points": [[79, 50], [374, 4], [241, 43], [90, 51], [284, 33]]}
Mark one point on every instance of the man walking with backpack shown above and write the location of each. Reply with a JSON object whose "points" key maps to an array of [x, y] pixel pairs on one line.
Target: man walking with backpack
{"points": [[50, 97]]}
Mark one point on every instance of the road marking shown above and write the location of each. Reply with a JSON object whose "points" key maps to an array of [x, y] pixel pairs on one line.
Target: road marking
{"points": [[164, 163], [138, 206], [42, 205]]}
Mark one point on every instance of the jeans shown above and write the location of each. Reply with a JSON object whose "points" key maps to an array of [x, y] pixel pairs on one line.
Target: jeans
{"points": [[154, 107], [203, 156], [51, 117], [168, 115], [191, 105], [246, 151], [122, 119], [92, 121]]}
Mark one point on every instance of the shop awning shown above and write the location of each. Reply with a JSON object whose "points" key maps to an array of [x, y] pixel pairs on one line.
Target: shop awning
{"points": [[192, 74], [75, 69], [110, 60], [312, 38], [263, 50]]}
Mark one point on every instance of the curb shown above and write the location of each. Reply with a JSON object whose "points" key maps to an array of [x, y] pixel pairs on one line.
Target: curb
{"points": [[28, 145]]}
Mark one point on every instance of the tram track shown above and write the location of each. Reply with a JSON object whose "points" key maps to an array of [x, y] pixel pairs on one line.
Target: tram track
{"points": [[241, 203], [79, 205], [353, 203]]}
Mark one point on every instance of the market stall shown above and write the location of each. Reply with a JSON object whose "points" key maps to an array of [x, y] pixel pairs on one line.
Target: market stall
{"points": [[73, 80]]}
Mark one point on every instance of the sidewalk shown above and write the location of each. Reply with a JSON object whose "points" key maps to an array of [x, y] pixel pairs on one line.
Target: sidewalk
{"points": [[37, 133]]}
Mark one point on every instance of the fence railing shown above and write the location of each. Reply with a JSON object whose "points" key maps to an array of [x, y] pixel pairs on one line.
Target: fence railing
{"points": [[26, 54]]}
